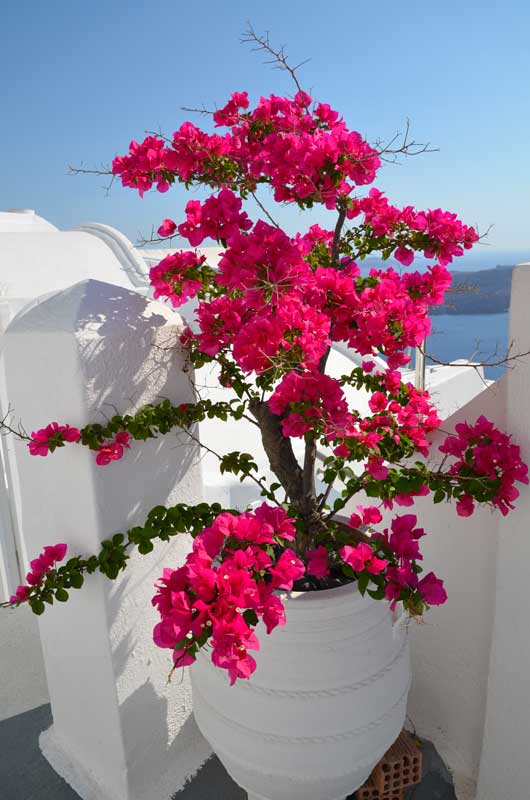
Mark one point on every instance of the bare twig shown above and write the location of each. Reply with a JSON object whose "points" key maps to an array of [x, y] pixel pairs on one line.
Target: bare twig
{"points": [[103, 171], [499, 363], [252, 477], [5, 428], [204, 111], [278, 58], [406, 147], [265, 211]]}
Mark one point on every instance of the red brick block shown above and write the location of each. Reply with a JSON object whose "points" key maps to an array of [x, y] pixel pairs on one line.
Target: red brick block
{"points": [[400, 767]]}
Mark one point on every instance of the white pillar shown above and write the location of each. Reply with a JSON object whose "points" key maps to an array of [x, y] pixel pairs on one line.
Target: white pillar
{"points": [[505, 762], [119, 732]]}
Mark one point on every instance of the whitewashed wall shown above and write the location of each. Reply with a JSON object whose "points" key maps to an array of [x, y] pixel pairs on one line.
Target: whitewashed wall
{"points": [[450, 648], [505, 763], [120, 732]]}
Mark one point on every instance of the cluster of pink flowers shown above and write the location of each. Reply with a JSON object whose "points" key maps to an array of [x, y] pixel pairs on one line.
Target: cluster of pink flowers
{"points": [[448, 236], [112, 451], [310, 397], [230, 580], [227, 583], [362, 557], [39, 567], [148, 162], [264, 316], [219, 217], [401, 577], [390, 315], [177, 277], [54, 435], [306, 153], [484, 451], [46, 439], [409, 419], [273, 302]]}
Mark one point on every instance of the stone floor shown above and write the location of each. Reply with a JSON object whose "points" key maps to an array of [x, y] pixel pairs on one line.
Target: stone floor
{"points": [[26, 775]]}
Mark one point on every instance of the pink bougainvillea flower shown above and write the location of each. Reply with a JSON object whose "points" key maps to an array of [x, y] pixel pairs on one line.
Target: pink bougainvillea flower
{"points": [[357, 557], [377, 469], [21, 594], [53, 435], [370, 514], [112, 451], [39, 567], [404, 256], [465, 506], [317, 562], [287, 570], [167, 228], [432, 590]]}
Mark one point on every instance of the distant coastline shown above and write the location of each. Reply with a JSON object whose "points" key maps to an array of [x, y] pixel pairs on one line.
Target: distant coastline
{"points": [[485, 291]]}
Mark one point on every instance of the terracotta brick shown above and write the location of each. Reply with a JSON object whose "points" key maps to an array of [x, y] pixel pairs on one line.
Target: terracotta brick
{"points": [[370, 792], [400, 766]]}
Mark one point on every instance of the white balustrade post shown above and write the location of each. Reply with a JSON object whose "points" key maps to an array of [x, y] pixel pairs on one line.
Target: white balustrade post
{"points": [[505, 763], [119, 732]]}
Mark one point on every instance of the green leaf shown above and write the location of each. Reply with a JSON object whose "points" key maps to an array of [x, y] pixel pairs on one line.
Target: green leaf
{"points": [[76, 580], [250, 616], [37, 606], [363, 580], [61, 595]]}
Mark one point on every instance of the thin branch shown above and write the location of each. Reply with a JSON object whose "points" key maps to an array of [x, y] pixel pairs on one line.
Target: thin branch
{"points": [[501, 362], [143, 242], [336, 236], [83, 171], [252, 477], [310, 456], [324, 497], [20, 433], [265, 211], [279, 56], [103, 171], [389, 153], [204, 111]]}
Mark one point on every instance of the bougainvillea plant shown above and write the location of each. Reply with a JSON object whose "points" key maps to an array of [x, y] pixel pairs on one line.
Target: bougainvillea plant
{"points": [[267, 316]]}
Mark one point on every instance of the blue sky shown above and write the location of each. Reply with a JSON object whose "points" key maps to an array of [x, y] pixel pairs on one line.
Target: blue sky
{"points": [[80, 80]]}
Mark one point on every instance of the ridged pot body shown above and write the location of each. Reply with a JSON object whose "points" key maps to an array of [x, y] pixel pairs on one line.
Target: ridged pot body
{"points": [[327, 700]]}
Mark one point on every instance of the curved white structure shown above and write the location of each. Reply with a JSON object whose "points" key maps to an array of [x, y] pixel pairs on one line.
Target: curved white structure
{"points": [[132, 263], [327, 700]]}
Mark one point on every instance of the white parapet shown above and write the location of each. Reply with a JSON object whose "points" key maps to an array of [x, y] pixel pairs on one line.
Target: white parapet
{"points": [[119, 732]]}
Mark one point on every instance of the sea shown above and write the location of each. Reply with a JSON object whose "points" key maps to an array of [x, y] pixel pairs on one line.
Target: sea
{"points": [[478, 337]]}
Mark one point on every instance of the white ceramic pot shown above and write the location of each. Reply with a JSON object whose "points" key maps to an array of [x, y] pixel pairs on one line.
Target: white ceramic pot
{"points": [[327, 700]]}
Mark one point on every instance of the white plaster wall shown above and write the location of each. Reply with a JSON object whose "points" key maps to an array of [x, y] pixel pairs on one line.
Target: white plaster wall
{"points": [[34, 263], [23, 683], [92, 345], [450, 648], [505, 764], [23, 220]]}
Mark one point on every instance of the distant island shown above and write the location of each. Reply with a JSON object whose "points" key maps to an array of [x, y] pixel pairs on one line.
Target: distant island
{"points": [[485, 291]]}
